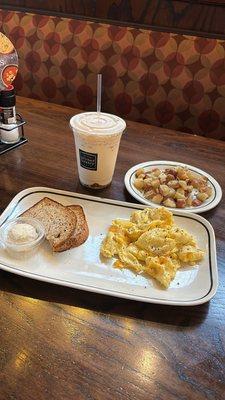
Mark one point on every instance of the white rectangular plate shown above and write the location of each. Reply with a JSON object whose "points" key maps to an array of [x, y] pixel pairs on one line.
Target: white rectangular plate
{"points": [[82, 267]]}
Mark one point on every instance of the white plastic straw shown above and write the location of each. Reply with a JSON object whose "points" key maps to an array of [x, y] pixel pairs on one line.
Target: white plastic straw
{"points": [[99, 93]]}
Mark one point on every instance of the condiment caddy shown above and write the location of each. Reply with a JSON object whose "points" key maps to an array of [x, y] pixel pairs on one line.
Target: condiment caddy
{"points": [[11, 123]]}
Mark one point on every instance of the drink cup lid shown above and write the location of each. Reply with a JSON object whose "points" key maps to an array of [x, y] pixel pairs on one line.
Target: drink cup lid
{"points": [[97, 123]]}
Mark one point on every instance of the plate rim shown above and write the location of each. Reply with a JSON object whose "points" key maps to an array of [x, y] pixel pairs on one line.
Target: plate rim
{"points": [[212, 254], [196, 210]]}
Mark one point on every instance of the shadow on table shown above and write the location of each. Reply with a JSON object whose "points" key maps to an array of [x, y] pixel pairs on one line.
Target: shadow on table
{"points": [[173, 315]]}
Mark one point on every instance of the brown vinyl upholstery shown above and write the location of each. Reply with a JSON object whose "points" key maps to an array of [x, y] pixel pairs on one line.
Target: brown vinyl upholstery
{"points": [[164, 79]]}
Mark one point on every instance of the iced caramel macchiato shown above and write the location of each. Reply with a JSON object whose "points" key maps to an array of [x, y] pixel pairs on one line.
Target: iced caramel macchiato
{"points": [[97, 138]]}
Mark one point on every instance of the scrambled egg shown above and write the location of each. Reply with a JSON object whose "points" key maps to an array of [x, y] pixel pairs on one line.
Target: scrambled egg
{"points": [[151, 243]]}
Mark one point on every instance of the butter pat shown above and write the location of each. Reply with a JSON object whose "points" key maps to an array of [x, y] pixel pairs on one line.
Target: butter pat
{"points": [[22, 233], [21, 236]]}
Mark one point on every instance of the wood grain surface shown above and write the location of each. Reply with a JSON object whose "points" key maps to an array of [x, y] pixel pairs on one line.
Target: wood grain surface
{"points": [[64, 344], [199, 17]]}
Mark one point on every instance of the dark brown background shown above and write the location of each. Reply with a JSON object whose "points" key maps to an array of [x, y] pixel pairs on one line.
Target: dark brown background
{"points": [[200, 17]]}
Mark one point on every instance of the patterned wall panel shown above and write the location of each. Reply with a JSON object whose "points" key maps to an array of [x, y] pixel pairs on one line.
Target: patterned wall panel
{"points": [[198, 17], [168, 80]]}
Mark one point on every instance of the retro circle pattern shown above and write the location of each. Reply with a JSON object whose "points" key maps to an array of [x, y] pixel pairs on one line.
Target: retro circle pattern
{"points": [[170, 80]]}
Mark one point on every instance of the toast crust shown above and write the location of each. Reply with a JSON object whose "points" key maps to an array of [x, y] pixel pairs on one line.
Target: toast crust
{"points": [[80, 233]]}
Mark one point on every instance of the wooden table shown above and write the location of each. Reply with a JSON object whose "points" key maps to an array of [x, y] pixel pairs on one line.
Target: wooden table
{"points": [[59, 343]]}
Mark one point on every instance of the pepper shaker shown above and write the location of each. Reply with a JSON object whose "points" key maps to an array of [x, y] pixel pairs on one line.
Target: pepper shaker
{"points": [[8, 116]]}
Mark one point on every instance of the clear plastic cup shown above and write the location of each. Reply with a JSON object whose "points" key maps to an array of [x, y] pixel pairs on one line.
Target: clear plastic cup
{"points": [[97, 139], [22, 247]]}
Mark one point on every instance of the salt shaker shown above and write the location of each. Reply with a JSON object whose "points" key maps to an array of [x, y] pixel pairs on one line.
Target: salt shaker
{"points": [[8, 116]]}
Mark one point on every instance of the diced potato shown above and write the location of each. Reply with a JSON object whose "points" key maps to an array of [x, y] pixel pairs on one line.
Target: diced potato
{"points": [[171, 171], [190, 174], [139, 184], [202, 196], [147, 183], [174, 184], [181, 203], [169, 177], [179, 196], [196, 203], [195, 183], [162, 178], [202, 180], [169, 203], [182, 173], [156, 171], [183, 184], [150, 194], [171, 193], [139, 172], [181, 191], [164, 190], [157, 198], [189, 201], [155, 183], [202, 188]]}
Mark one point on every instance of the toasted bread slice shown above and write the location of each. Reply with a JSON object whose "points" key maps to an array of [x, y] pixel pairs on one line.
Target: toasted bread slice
{"points": [[59, 221], [80, 233]]}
